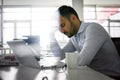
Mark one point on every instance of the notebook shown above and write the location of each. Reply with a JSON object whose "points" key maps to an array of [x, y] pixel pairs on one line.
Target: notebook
{"points": [[24, 53]]}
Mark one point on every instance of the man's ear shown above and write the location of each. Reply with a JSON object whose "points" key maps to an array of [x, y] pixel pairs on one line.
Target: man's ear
{"points": [[72, 17]]}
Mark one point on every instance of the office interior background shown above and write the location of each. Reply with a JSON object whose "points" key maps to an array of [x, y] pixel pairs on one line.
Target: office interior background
{"points": [[20, 18]]}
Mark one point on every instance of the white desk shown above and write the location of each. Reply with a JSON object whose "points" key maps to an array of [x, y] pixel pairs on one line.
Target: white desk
{"points": [[85, 73], [73, 72], [27, 73], [76, 72]]}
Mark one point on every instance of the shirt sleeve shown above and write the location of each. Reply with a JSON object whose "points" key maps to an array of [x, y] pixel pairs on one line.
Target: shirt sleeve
{"points": [[95, 36], [69, 47]]}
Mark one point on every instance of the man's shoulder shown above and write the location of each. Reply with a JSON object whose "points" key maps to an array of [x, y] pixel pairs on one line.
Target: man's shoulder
{"points": [[94, 25]]}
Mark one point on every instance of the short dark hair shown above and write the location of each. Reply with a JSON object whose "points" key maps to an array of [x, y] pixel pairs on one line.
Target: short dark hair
{"points": [[66, 11]]}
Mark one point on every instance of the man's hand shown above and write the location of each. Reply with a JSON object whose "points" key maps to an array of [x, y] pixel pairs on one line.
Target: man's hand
{"points": [[53, 30], [52, 33]]}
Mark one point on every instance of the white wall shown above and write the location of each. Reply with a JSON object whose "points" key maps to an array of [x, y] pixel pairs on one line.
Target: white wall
{"points": [[0, 24], [78, 5]]}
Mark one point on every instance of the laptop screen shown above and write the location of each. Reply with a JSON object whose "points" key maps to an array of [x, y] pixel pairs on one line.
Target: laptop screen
{"points": [[24, 53]]}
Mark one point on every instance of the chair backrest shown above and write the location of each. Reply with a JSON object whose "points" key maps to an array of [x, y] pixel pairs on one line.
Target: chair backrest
{"points": [[116, 41]]}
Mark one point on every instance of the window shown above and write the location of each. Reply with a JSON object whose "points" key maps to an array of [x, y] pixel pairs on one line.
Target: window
{"points": [[109, 17], [24, 21], [8, 31]]}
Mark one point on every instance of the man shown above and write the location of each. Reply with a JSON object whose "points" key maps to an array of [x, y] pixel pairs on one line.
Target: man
{"points": [[94, 46]]}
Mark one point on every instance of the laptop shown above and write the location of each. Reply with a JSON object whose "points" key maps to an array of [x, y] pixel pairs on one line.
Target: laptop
{"points": [[24, 54]]}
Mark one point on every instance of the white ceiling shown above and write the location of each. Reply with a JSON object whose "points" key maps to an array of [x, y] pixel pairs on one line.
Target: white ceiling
{"points": [[102, 2], [60, 2], [38, 2]]}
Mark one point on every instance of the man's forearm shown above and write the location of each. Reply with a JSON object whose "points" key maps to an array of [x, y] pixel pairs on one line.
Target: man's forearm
{"points": [[55, 48]]}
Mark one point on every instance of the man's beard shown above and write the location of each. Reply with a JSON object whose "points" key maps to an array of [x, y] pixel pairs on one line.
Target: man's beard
{"points": [[73, 30]]}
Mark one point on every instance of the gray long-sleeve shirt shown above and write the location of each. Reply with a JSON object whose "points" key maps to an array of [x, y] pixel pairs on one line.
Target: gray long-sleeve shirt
{"points": [[95, 49]]}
